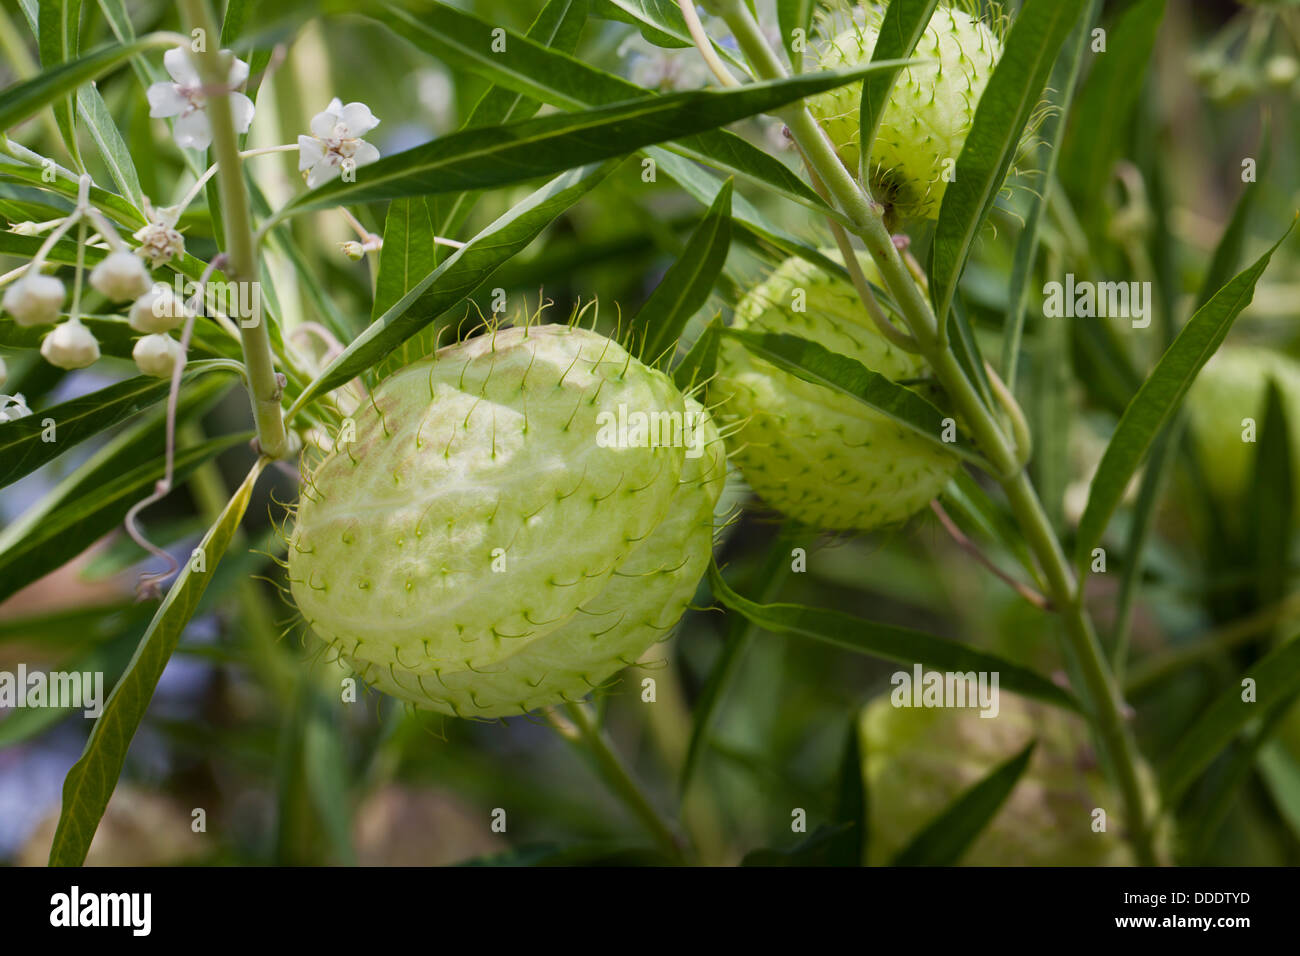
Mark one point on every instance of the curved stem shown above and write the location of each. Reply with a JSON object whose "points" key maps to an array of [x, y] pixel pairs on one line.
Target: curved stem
{"points": [[580, 729]]}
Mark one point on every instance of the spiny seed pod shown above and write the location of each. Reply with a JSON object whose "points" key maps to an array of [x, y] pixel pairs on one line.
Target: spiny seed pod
{"points": [[158, 355], [34, 300], [120, 276], [927, 117], [502, 532], [1230, 389], [917, 760], [71, 345], [158, 310], [806, 450]]}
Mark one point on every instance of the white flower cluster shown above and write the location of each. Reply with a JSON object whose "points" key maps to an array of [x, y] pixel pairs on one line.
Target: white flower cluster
{"points": [[334, 148]]}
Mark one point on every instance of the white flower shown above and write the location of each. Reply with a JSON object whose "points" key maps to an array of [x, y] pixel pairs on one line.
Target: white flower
{"points": [[13, 407], [70, 345], [336, 142], [158, 310], [158, 355], [187, 101], [159, 240], [120, 276], [34, 300]]}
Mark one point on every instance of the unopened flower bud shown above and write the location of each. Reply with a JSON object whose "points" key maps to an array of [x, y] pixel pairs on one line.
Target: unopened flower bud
{"points": [[158, 310], [1281, 70], [120, 276], [158, 355], [27, 228], [34, 299], [71, 345], [353, 250]]}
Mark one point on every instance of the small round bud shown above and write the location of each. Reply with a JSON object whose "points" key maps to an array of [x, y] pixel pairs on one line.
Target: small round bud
{"points": [[34, 299], [158, 310], [1281, 70], [120, 276], [71, 345], [353, 250], [158, 355]]}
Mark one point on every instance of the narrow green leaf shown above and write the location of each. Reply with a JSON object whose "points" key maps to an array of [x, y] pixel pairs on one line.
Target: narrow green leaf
{"points": [[1229, 778], [704, 187], [558, 26], [699, 364], [1269, 524], [23, 443], [554, 77], [817, 364], [59, 29], [901, 644], [1160, 395], [851, 803], [793, 16], [1281, 774], [458, 276], [1100, 120], [1227, 253], [24, 99], [500, 155], [94, 113], [766, 581], [943, 841], [1012, 93], [115, 206], [1065, 77], [904, 23], [686, 286], [1276, 678], [90, 783], [407, 255]]}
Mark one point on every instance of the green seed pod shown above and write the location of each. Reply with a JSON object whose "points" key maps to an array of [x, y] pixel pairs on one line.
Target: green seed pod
{"points": [[806, 450], [928, 115], [1230, 389], [502, 534], [917, 760]]}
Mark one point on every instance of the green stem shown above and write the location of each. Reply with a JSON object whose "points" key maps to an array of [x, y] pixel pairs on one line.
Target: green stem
{"points": [[241, 264], [1100, 693], [596, 744]]}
